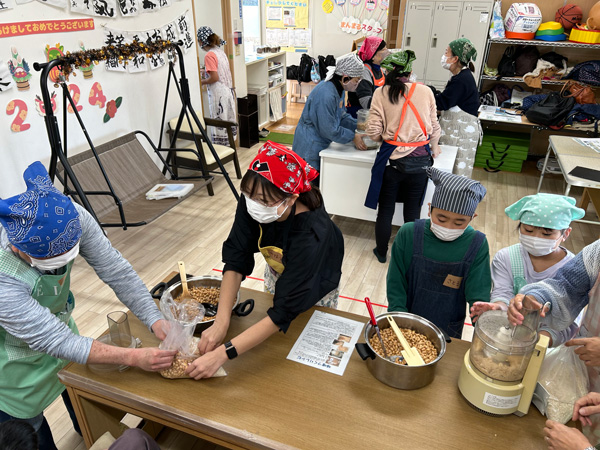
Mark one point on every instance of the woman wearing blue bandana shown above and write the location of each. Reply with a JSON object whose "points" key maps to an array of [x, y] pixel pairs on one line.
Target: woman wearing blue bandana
{"points": [[41, 233], [544, 224]]}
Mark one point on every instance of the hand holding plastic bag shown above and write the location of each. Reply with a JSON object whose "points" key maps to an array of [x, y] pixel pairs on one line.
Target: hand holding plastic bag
{"points": [[563, 380]]}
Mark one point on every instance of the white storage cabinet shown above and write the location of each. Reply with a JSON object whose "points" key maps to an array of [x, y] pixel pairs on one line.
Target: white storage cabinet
{"points": [[429, 26]]}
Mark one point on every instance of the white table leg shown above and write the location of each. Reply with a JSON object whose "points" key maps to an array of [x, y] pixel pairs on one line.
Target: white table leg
{"points": [[544, 168]]}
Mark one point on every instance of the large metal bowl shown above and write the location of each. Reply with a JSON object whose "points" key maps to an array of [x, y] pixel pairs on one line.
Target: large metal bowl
{"points": [[173, 288], [397, 375]]}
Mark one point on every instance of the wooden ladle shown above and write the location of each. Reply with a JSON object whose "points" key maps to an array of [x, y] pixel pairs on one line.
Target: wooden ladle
{"points": [[185, 293]]}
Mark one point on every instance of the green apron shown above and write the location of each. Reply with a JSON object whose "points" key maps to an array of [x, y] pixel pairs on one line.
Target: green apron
{"points": [[29, 383], [517, 267]]}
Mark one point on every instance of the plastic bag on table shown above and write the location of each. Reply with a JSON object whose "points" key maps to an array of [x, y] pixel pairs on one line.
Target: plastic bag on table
{"points": [[562, 381], [182, 318], [497, 23]]}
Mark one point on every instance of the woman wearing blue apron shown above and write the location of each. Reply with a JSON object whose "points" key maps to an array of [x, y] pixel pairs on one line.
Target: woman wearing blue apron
{"points": [[282, 216], [403, 115], [41, 233]]}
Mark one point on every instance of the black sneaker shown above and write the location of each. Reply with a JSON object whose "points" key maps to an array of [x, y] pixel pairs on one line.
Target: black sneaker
{"points": [[263, 133], [380, 258]]}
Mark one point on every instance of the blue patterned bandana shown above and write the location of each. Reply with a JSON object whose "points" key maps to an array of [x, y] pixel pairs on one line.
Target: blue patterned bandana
{"points": [[203, 34], [41, 221]]}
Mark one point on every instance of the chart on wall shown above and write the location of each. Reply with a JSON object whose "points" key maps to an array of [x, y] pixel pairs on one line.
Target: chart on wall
{"points": [[287, 25], [360, 17]]}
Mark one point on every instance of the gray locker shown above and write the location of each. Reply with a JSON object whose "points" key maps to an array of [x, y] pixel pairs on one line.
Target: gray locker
{"points": [[430, 25], [416, 29], [474, 24], [446, 19]]}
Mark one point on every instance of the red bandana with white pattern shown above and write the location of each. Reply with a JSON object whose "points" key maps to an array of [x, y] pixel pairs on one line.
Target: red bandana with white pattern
{"points": [[284, 168]]}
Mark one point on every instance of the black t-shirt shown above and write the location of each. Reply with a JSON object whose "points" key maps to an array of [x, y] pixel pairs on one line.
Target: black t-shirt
{"points": [[460, 91], [313, 249]]}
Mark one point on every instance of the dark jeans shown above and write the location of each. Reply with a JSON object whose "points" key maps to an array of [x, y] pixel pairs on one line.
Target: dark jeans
{"points": [[40, 424], [411, 188]]}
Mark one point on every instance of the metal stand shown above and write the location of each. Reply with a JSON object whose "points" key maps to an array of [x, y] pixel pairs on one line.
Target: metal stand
{"points": [[187, 110]]}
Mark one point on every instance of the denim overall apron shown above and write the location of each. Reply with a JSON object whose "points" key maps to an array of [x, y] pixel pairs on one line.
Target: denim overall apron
{"points": [[430, 293]]}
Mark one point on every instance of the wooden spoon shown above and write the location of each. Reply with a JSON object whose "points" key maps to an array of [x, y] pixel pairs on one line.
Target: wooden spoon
{"points": [[411, 354], [185, 293]]}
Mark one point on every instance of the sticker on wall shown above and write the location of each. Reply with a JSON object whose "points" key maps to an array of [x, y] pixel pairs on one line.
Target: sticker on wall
{"points": [[355, 2], [186, 33], [52, 53], [19, 69], [18, 124], [75, 93], [371, 27], [115, 38], [5, 4], [97, 97], [384, 4], [87, 69], [327, 6], [128, 8], [39, 104], [350, 25], [137, 63], [370, 4], [6, 81], [111, 108]]}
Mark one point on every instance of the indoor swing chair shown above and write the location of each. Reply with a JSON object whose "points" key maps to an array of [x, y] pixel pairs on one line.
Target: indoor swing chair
{"points": [[111, 180]]}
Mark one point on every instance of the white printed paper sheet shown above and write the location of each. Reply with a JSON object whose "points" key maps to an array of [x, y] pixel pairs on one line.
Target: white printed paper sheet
{"points": [[327, 342]]}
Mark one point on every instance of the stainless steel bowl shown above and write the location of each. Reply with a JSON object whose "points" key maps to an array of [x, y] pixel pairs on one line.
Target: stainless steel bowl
{"points": [[173, 288], [397, 375]]}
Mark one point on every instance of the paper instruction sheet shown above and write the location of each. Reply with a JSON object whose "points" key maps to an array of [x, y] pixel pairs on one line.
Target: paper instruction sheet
{"points": [[327, 342], [593, 143]]}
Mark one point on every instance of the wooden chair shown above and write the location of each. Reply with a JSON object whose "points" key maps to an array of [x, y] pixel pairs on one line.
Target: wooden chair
{"points": [[356, 43], [191, 158], [116, 183]]}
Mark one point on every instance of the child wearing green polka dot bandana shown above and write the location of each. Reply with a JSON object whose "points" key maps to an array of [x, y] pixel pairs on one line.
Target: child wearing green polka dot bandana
{"points": [[544, 224]]}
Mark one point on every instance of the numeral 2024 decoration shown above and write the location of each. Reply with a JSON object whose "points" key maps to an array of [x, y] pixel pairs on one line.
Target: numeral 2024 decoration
{"points": [[19, 123], [97, 97], [75, 95]]}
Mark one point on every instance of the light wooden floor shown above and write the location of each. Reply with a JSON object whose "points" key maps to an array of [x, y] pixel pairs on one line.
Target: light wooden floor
{"points": [[195, 230]]}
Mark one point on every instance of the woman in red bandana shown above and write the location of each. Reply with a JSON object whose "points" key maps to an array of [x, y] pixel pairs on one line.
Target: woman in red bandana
{"points": [[372, 51], [282, 216]]}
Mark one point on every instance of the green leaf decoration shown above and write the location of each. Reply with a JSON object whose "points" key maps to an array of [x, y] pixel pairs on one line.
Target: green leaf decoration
{"points": [[106, 118], [118, 101]]}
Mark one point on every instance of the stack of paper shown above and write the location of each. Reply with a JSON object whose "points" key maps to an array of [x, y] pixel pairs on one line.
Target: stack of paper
{"points": [[161, 191]]}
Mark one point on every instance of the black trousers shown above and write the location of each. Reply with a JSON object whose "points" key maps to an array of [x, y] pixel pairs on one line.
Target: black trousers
{"points": [[411, 189]]}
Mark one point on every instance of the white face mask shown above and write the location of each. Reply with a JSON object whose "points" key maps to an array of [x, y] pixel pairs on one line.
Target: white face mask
{"points": [[537, 246], [445, 64], [351, 86], [446, 234], [262, 213], [56, 262]]}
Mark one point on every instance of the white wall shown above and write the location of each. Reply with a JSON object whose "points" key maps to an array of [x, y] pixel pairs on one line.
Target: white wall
{"points": [[239, 61], [142, 93]]}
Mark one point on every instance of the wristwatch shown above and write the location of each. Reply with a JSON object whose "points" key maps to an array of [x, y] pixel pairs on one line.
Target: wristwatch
{"points": [[230, 350]]}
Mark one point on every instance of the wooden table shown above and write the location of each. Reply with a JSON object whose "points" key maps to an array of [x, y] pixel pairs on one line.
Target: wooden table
{"points": [[269, 402]]}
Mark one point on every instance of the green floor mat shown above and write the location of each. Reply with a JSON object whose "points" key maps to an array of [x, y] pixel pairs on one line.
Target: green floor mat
{"points": [[280, 138]]}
